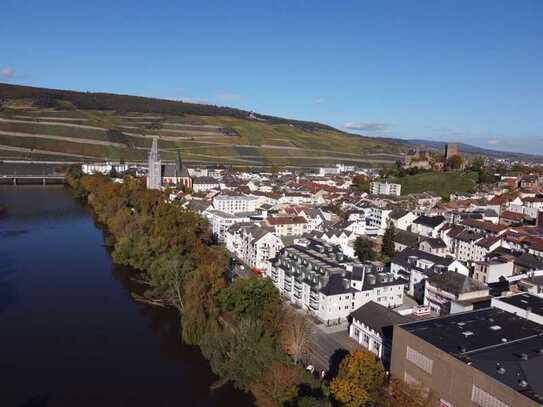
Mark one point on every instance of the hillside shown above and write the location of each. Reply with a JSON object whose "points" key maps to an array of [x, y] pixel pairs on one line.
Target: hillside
{"points": [[66, 125], [442, 183]]}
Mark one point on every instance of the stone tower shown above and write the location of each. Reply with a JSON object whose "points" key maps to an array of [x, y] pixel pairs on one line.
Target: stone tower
{"points": [[451, 149], [154, 176]]}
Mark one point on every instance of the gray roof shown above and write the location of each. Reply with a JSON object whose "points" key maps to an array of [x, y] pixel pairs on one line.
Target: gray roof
{"points": [[429, 221], [378, 317], [485, 348], [455, 283]]}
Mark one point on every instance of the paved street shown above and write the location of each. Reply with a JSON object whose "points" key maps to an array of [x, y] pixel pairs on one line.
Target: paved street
{"points": [[326, 342]]}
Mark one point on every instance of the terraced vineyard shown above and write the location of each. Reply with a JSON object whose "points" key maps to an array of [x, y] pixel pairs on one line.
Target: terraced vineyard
{"points": [[68, 132]]}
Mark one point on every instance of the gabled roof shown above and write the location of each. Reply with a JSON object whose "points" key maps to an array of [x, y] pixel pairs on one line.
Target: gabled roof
{"points": [[285, 220], [378, 317], [485, 226]]}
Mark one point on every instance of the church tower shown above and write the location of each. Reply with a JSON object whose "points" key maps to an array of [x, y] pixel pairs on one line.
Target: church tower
{"points": [[154, 176]]}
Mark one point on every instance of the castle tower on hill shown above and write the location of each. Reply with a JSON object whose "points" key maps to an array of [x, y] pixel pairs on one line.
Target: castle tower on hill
{"points": [[451, 149], [154, 176]]}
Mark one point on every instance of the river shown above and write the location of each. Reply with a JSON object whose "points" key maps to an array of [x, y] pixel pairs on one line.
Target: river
{"points": [[70, 333]]}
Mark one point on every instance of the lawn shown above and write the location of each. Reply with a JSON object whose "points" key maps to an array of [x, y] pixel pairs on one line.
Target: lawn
{"points": [[442, 183]]}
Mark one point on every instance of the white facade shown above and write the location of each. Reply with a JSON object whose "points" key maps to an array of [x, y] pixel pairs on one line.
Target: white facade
{"points": [[253, 246], [234, 204], [491, 271], [384, 188], [103, 168], [378, 218], [221, 221]]}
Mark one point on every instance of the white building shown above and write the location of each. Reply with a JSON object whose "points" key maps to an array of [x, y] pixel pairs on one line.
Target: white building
{"points": [[220, 222], [443, 290], [234, 203], [372, 327], [428, 226], [203, 184], [490, 271], [287, 225], [402, 219], [253, 245], [384, 188], [103, 168], [319, 278], [378, 218], [416, 266]]}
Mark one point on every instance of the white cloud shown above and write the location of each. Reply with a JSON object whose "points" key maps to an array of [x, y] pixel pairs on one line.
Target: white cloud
{"points": [[365, 126], [195, 100], [493, 141], [7, 72], [320, 101], [228, 96]]}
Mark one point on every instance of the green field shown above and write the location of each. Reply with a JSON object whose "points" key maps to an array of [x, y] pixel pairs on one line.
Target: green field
{"points": [[442, 183]]}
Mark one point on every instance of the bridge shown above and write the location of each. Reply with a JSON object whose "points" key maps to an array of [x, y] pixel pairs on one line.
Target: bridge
{"points": [[32, 173]]}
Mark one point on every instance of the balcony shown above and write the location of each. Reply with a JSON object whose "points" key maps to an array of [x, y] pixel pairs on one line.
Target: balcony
{"points": [[314, 307]]}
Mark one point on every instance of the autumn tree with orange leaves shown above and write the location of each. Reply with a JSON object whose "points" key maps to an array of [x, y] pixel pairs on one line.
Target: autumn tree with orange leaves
{"points": [[359, 379]]}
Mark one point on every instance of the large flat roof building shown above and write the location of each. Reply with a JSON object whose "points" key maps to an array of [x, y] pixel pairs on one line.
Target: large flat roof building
{"points": [[485, 358]]}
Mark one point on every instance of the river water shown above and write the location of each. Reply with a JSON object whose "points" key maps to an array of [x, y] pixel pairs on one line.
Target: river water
{"points": [[70, 333]]}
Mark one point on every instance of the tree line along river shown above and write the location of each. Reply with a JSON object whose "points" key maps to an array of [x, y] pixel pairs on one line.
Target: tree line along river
{"points": [[70, 332]]}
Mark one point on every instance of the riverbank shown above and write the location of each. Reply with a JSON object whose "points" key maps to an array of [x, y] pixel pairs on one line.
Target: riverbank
{"points": [[71, 333], [240, 328]]}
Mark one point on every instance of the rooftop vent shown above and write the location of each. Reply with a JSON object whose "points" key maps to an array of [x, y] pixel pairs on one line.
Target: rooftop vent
{"points": [[501, 370], [467, 333], [495, 327], [523, 383], [504, 340], [524, 356]]}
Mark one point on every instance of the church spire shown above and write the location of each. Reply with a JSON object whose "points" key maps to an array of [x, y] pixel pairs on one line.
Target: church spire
{"points": [[178, 164], [154, 176]]}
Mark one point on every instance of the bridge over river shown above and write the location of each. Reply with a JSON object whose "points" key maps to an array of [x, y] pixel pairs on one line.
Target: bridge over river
{"points": [[17, 173]]}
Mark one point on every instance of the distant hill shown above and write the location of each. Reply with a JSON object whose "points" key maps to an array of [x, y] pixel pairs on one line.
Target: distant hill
{"points": [[57, 124], [62, 125], [470, 149]]}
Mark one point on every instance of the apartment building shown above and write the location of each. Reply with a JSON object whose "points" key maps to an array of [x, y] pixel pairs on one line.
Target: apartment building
{"points": [[384, 188], [253, 245], [234, 203], [319, 278], [449, 292]]}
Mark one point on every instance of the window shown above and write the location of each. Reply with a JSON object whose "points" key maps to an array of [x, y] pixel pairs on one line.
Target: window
{"points": [[419, 360], [484, 399]]}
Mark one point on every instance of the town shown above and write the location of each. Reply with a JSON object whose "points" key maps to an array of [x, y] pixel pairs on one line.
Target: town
{"points": [[446, 291]]}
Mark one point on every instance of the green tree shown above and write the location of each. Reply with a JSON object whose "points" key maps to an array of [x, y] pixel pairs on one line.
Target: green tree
{"points": [[359, 380], [455, 162], [252, 298], [387, 248], [363, 249]]}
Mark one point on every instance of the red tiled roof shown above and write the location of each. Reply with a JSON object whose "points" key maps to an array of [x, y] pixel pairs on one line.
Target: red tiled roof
{"points": [[509, 215], [482, 225]]}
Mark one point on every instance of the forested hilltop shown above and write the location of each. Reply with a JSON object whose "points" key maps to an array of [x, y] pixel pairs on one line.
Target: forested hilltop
{"points": [[66, 125]]}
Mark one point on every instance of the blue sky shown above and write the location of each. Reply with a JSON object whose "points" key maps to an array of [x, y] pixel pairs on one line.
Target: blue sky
{"points": [[454, 70]]}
